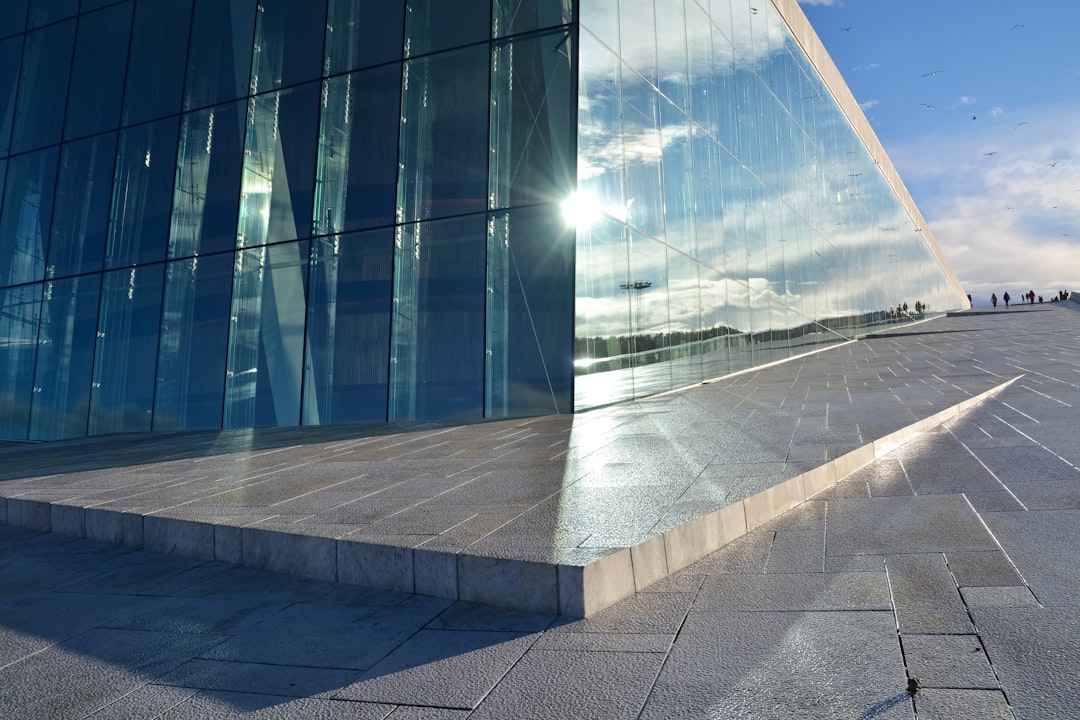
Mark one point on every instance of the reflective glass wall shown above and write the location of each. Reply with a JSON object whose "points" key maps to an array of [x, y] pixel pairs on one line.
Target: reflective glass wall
{"points": [[241, 213], [727, 213]]}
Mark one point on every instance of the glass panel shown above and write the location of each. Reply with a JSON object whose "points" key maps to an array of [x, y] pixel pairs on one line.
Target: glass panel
{"points": [[356, 182], [65, 358], [43, 12], [194, 342], [602, 316], [266, 342], [684, 308], [718, 335], [122, 395], [649, 328], [363, 34], [25, 216], [444, 136], [206, 192], [727, 108], [530, 310], [733, 261], [532, 132], [39, 114], [12, 17], [83, 188], [142, 194], [708, 240], [348, 327], [10, 58], [279, 173], [600, 170], [637, 24], [437, 343], [19, 308], [678, 169], [520, 16], [433, 25], [642, 151], [703, 98], [288, 43], [741, 34], [673, 71], [155, 76], [219, 59], [97, 74], [602, 20]]}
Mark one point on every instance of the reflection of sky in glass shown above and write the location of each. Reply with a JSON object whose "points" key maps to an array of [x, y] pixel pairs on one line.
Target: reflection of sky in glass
{"points": [[723, 146]]}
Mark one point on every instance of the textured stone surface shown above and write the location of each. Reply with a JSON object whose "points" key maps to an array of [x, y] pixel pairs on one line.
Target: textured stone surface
{"points": [[773, 665], [951, 704], [797, 618], [948, 661], [443, 668]]}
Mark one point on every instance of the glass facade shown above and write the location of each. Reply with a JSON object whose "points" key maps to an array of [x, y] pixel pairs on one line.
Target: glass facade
{"points": [[242, 213]]}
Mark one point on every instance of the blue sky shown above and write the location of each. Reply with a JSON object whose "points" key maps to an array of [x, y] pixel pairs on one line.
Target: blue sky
{"points": [[994, 162]]}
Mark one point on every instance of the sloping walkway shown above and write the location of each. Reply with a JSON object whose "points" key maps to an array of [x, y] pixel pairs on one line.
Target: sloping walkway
{"points": [[948, 566], [554, 514]]}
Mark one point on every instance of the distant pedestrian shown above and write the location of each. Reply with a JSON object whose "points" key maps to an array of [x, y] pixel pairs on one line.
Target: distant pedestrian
{"points": [[1006, 298], [993, 299]]}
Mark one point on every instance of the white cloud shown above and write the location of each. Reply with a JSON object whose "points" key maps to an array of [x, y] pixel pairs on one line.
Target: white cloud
{"points": [[1007, 221], [869, 104], [966, 100]]}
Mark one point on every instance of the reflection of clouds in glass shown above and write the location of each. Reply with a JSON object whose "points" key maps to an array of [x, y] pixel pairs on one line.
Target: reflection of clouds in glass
{"points": [[604, 146], [790, 220], [757, 36]]}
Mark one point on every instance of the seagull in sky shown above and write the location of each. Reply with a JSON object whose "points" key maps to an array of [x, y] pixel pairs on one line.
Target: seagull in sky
{"points": [[932, 73], [1017, 26], [1019, 124], [988, 154], [847, 29], [1053, 164], [928, 106]]}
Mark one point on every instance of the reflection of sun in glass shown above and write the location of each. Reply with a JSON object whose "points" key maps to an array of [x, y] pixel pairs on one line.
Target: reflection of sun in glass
{"points": [[581, 210]]}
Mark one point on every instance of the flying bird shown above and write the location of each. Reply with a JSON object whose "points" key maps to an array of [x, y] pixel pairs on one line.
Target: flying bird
{"points": [[928, 106], [1019, 124], [932, 73], [847, 29], [1053, 164], [1017, 26], [988, 154]]}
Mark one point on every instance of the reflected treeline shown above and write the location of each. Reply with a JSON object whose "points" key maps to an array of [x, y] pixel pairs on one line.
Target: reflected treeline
{"points": [[601, 354]]}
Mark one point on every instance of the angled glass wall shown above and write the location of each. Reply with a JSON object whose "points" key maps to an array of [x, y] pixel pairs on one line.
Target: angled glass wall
{"points": [[241, 213], [728, 215]]}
